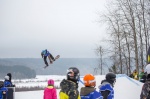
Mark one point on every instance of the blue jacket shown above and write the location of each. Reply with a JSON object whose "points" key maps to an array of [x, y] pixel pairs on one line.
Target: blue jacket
{"points": [[45, 53], [90, 93], [7, 83], [2, 89], [106, 87]]}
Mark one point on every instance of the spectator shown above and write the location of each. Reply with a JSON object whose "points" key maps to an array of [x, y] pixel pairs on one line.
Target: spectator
{"points": [[145, 93], [143, 79], [142, 76], [106, 87], [69, 87], [50, 92], [135, 75], [3, 91], [89, 91], [9, 85], [7, 82]]}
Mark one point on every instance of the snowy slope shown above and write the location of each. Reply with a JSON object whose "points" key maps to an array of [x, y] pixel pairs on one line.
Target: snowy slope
{"points": [[125, 87]]}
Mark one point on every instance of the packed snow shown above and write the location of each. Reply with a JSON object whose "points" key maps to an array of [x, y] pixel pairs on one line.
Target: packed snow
{"points": [[125, 87]]}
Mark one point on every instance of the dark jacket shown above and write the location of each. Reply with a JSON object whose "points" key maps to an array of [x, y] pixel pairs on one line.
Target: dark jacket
{"points": [[69, 90], [90, 93], [3, 90], [145, 93], [143, 78]]}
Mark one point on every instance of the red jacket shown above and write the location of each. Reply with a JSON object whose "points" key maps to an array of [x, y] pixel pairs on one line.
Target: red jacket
{"points": [[50, 93]]}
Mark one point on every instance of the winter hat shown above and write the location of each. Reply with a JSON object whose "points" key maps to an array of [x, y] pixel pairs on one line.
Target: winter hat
{"points": [[89, 80], [50, 82], [6, 77], [147, 69]]}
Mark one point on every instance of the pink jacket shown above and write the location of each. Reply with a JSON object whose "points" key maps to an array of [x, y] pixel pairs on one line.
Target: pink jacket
{"points": [[50, 93]]}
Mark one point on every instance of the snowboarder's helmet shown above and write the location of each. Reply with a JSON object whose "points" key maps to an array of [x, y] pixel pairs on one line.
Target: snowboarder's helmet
{"points": [[147, 69], [111, 77], [50, 82], [1, 84], [73, 74], [89, 80]]}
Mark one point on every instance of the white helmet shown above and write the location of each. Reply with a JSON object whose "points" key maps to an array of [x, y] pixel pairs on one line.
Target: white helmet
{"points": [[147, 69], [6, 77]]}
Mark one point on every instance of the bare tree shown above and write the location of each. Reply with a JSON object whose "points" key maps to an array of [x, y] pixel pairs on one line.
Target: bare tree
{"points": [[128, 24]]}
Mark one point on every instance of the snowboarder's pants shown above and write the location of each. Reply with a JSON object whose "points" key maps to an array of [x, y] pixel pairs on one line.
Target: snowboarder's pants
{"points": [[45, 59]]}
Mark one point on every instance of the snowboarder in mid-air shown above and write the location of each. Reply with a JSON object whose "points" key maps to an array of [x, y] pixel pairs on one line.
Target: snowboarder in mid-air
{"points": [[45, 53]]}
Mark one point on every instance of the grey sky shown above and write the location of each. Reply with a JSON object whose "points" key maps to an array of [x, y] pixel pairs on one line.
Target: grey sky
{"points": [[65, 27]]}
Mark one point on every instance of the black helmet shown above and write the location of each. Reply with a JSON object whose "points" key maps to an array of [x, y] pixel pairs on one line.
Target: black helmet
{"points": [[76, 76], [111, 77]]}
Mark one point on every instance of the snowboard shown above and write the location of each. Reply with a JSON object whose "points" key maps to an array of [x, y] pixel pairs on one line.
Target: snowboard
{"points": [[53, 61]]}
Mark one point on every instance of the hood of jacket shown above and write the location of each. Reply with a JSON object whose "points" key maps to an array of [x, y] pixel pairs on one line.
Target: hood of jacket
{"points": [[86, 90], [50, 93]]}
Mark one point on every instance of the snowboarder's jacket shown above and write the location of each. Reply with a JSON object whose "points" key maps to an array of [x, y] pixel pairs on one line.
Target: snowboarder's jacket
{"points": [[45, 53], [106, 90], [90, 93], [69, 90], [3, 91], [50, 93], [145, 93]]}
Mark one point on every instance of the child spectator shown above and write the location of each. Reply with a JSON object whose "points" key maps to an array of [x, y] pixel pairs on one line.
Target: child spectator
{"points": [[89, 91], [50, 92]]}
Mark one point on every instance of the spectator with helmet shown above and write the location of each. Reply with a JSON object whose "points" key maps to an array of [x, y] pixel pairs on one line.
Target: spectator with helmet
{"points": [[7, 82], [145, 93], [89, 91], [69, 86], [3, 90], [50, 92], [9, 85], [106, 87]]}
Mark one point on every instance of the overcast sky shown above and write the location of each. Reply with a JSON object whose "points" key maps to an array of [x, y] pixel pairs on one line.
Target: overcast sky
{"points": [[64, 27]]}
